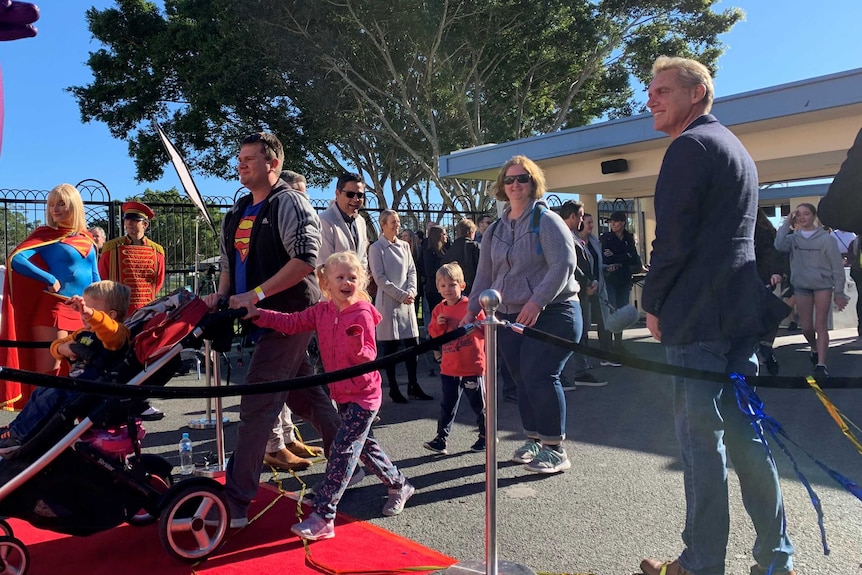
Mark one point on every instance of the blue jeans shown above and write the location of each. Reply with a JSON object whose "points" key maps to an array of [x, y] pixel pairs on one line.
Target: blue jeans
{"points": [[452, 388], [41, 405], [708, 421], [354, 442], [579, 363], [535, 368]]}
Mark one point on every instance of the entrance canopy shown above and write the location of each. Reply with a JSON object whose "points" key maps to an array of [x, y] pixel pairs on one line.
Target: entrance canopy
{"points": [[795, 131]]}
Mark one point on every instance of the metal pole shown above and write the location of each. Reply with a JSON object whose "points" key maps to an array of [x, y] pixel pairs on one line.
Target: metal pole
{"points": [[213, 379], [490, 300]]}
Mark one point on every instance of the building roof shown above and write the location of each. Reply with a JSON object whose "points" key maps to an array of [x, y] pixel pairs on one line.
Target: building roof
{"points": [[793, 131]]}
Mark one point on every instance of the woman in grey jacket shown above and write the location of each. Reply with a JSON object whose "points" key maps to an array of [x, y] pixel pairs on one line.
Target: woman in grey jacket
{"points": [[528, 256], [817, 275]]}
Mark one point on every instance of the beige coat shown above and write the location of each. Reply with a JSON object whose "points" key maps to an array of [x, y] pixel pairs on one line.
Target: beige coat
{"points": [[394, 272]]}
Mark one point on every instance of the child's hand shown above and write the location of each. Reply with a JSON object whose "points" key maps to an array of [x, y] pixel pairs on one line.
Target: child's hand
{"points": [[65, 349], [442, 320], [77, 303], [253, 312]]}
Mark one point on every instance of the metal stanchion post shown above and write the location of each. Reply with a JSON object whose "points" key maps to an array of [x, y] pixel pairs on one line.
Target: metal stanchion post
{"points": [[213, 379], [490, 300]]}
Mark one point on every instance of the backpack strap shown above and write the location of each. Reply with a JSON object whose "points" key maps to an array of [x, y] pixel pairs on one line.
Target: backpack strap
{"points": [[538, 210]]}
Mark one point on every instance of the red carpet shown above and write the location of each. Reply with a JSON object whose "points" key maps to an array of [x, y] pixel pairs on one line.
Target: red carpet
{"points": [[265, 546]]}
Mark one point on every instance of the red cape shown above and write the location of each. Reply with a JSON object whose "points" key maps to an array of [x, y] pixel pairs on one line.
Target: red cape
{"points": [[14, 395]]}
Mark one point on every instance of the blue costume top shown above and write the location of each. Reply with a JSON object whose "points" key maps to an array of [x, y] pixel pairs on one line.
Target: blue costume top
{"points": [[75, 272]]}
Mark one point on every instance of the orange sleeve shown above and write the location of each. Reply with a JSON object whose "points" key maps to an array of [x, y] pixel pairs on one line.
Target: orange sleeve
{"points": [[111, 333]]}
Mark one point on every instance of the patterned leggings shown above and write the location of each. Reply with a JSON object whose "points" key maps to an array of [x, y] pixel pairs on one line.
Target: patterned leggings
{"points": [[354, 442]]}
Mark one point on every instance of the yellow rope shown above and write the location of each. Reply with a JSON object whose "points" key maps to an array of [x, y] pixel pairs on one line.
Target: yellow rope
{"points": [[836, 414]]}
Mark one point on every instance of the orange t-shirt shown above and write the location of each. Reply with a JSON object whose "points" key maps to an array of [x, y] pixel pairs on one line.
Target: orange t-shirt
{"points": [[465, 355]]}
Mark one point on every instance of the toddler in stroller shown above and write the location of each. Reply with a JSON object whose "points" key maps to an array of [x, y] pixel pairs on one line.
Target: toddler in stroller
{"points": [[91, 351], [46, 481]]}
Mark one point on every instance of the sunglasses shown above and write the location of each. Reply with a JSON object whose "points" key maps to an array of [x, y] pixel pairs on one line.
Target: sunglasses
{"points": [[351, 195], [258, 137], [520, 178]]}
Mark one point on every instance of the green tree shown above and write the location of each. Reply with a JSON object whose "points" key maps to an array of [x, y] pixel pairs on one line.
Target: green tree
{"points": [[383, 87], [13, 229]]}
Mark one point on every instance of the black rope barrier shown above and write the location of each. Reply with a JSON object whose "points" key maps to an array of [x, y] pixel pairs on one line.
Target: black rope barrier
{"points": [[25, 344], [187, 392], [778, 382]]}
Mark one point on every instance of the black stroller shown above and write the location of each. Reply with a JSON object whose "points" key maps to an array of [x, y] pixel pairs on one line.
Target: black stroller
{"points": [[84, 471]]}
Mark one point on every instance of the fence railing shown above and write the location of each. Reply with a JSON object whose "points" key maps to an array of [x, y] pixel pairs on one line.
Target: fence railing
{"points": [[178, 226]]}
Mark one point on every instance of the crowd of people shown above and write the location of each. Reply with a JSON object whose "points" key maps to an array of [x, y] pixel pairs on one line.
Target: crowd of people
{"points": [[301, 274]]}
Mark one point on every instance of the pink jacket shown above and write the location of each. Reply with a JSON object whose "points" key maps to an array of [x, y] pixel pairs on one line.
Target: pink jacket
{"points": [[345, 338]]}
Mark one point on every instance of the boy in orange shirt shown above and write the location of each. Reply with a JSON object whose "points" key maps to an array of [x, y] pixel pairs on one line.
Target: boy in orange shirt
{"points": [[463, 365]]}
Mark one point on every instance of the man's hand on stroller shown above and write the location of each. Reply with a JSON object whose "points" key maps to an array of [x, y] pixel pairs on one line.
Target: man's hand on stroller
{"points": [[244, 300], [212, 300]]}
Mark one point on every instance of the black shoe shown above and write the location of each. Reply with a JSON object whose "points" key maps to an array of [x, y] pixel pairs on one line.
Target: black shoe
{"points": [[771, 364], [415, 392], [820, 372], [437, 445], [792, 326], [395, 395], [767, 356]]}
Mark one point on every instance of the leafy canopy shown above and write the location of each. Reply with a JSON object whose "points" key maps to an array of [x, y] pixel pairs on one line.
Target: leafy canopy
{"points": [[385, 88]]}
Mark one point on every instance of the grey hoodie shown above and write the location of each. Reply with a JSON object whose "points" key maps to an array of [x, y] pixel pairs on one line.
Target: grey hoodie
{"points": [[510, 262], [815, 262]]}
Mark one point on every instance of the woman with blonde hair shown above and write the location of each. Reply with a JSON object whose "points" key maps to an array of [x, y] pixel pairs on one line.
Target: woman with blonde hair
{"points": [[56, 261], [528, 256], [394, 272]]}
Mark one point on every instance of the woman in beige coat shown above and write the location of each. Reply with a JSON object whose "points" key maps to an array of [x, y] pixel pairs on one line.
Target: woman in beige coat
{"points": [[395, 275]]}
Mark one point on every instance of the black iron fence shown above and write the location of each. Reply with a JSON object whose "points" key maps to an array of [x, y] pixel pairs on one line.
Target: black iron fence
{"points": [[191, 248]]}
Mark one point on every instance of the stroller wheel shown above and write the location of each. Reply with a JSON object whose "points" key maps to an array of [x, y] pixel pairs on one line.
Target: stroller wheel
{"points": [[5, 528], [194, 520], [14, 557]]}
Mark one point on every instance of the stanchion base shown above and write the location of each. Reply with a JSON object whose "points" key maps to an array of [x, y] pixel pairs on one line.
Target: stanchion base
{"points": [[204, 423], [479, 568], [212, 471]]}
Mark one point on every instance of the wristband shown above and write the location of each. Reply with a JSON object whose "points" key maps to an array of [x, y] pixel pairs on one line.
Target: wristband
{"points": [[259, 293]]}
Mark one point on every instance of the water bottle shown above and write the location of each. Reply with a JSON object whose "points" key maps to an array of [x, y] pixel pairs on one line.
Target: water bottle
{"points": [[187, 464]]}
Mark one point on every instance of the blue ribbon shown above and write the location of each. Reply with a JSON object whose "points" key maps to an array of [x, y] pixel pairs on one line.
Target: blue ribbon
{"points": [[751, 405]]}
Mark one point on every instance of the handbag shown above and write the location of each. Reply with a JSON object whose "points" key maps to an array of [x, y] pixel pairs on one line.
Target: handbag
{"points": [[620, 318]]}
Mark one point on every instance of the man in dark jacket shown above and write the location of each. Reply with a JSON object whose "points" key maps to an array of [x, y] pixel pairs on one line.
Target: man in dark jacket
{"points": [[704, 303], [465, 251], [269, 245]]}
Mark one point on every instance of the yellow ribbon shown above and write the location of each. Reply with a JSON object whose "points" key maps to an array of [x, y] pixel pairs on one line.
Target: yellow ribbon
{"points": [[836, 414]]}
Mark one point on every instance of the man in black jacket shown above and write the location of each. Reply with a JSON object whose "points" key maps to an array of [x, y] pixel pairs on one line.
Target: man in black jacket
{"points": [[269, 245]]}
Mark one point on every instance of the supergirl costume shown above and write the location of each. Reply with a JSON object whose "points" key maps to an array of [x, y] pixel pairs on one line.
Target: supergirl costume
{"points": [[48, 255]]}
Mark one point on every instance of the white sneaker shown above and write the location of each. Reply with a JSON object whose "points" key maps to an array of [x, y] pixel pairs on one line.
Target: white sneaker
{"points": [[589, 380], [609, 363], [314, 528], [238, 522], [549, 461], [397, 498], [527, 452]]}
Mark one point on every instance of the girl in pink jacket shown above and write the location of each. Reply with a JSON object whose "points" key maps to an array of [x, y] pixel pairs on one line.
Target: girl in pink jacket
{"points": [[345, 326]]}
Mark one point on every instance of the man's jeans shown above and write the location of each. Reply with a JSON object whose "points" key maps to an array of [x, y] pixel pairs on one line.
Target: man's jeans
{"points": [[535, 367], [707, 419]]}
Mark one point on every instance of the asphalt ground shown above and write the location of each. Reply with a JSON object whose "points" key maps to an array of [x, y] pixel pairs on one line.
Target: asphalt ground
{"points": [[623, 498]]}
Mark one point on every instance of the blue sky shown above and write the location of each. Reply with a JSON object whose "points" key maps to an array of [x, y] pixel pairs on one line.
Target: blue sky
{"points": [[45, 143]]}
